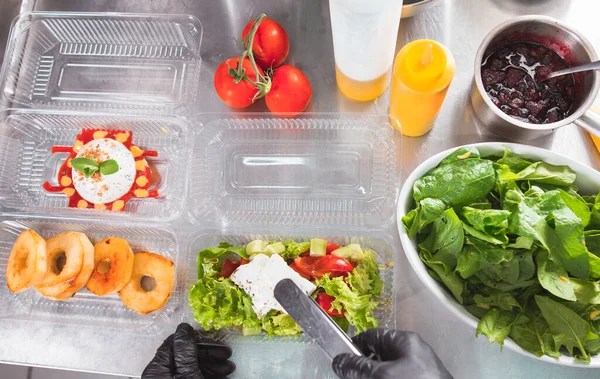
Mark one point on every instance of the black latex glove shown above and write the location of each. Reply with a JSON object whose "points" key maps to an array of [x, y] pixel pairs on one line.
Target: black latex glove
{"points": [[186, 354], [390, 354]]}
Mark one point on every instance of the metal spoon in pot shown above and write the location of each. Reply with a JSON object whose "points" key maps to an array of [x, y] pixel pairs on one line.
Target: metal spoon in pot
{"points": [[584, 67]]}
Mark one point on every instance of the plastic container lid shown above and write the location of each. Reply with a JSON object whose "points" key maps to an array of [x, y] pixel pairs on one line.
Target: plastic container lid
{"points": [[311, 171], [117, 63]]}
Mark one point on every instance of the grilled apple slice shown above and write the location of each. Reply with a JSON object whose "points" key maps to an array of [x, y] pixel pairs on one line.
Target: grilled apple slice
{"points": [[27, 261], [113, 265], [157, 270], [65, 261], [84, 275]]}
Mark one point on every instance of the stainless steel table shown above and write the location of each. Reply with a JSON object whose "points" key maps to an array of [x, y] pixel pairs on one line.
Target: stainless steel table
{"points": [[460, 25]]}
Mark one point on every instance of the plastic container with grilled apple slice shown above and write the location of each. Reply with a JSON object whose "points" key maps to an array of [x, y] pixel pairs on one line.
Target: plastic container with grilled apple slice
{"points": [[85, 308]]}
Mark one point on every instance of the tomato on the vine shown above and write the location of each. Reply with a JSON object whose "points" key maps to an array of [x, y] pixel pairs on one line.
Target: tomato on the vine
{"points": [[271, 44], [290, 92], [236, 92]]}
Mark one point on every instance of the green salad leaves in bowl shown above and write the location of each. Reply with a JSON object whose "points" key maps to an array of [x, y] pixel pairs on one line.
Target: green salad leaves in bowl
{"points": [[508, 236]]}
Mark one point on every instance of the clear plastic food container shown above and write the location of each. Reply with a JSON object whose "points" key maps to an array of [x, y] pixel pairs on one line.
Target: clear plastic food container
{"points": [[378, 242], [318, 170], [85, 308], [120, 63], [27, 162]]}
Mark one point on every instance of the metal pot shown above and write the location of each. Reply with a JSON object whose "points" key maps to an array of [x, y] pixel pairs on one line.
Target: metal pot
{"points": [[575, 49]]}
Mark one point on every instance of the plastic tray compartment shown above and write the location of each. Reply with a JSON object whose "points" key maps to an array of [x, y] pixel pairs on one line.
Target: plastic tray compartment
{"points": [[315, 171], [379, 243], [26, 162], [86, 308], [120, 62]]}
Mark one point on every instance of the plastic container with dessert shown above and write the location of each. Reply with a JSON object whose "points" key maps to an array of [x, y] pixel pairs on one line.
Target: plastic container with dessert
{"points": [[67, 76], [26, 140], [85, 308]]}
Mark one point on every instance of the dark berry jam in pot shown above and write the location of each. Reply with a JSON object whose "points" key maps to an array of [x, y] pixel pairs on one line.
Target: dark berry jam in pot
{"points": [[514, 76]]}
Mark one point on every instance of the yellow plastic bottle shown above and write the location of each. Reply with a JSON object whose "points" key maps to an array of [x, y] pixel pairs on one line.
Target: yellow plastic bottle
{"points": [[423, 71]]}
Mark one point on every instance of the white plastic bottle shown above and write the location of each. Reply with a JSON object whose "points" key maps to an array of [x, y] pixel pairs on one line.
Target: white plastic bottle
{"points": [[364, 42]]}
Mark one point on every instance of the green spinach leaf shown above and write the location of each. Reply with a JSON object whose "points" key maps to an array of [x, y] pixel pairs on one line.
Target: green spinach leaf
{"points": [[426, 212], [569, 330], [457, 183]]}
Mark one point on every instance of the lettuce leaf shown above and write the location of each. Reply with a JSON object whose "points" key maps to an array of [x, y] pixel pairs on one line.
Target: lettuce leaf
{"points": [[280, 325], [358, 307]]}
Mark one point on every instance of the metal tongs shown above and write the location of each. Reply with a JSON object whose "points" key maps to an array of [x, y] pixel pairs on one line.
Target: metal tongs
{"points": [[313, 319]]}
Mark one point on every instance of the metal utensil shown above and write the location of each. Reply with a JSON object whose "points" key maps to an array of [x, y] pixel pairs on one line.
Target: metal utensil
{"points": [[313, 319], [571, 70]]}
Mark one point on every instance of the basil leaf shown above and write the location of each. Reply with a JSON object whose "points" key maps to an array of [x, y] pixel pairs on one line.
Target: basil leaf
{"points": [[109, 167], [88, 166]]}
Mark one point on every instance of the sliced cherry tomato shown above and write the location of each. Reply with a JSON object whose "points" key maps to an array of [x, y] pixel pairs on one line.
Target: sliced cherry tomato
{"points": [[229, 266], [303, 274], [331, 247], [319, 266], [244, 261], [332, 265], [240, 94], [290, 92], [271, 44], [324, 300]]}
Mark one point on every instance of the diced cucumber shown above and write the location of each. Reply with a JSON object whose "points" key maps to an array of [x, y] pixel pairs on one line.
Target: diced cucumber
{"points": [[356, 253], [352, 252], [275, 248], [246, 331], [318, 247], [255, 247]]}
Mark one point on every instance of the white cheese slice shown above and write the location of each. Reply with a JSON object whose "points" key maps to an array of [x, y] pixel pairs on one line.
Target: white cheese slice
{"points": [[259, 277], [102, 189]]}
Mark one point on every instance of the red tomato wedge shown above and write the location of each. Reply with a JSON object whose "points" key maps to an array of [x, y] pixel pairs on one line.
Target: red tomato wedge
{"points": [[294, 267], [324, 300], [229, 266], [319, 266], [331, 247]]}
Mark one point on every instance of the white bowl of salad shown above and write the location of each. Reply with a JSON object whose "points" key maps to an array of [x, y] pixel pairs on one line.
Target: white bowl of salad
{"points": [[232, 291], [507, 236]]}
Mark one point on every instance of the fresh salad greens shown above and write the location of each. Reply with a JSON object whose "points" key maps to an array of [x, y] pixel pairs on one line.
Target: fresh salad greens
{"points": [[517, 245], [348, 285]]}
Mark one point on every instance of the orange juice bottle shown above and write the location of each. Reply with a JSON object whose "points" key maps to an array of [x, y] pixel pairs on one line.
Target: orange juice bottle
{"points": [[423, 71], [364, 41]]}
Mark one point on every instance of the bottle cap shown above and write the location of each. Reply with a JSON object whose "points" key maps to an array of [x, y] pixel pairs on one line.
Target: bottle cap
{"points": [[424, 63]]}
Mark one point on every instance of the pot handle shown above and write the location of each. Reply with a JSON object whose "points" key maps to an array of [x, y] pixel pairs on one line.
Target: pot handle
{"points": [[590, 121]]}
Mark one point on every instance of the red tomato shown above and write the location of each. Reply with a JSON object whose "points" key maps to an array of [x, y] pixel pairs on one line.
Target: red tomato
{"points": [[332, 265], [237, 95], [303, 274], [290, 92], [229, 266], [244, 261], [331, 247], [324, 300], [319, 266], [271, 44]]}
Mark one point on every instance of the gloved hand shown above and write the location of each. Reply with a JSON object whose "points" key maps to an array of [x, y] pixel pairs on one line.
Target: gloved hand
{"points": [[390, 354], [186, 354]]}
